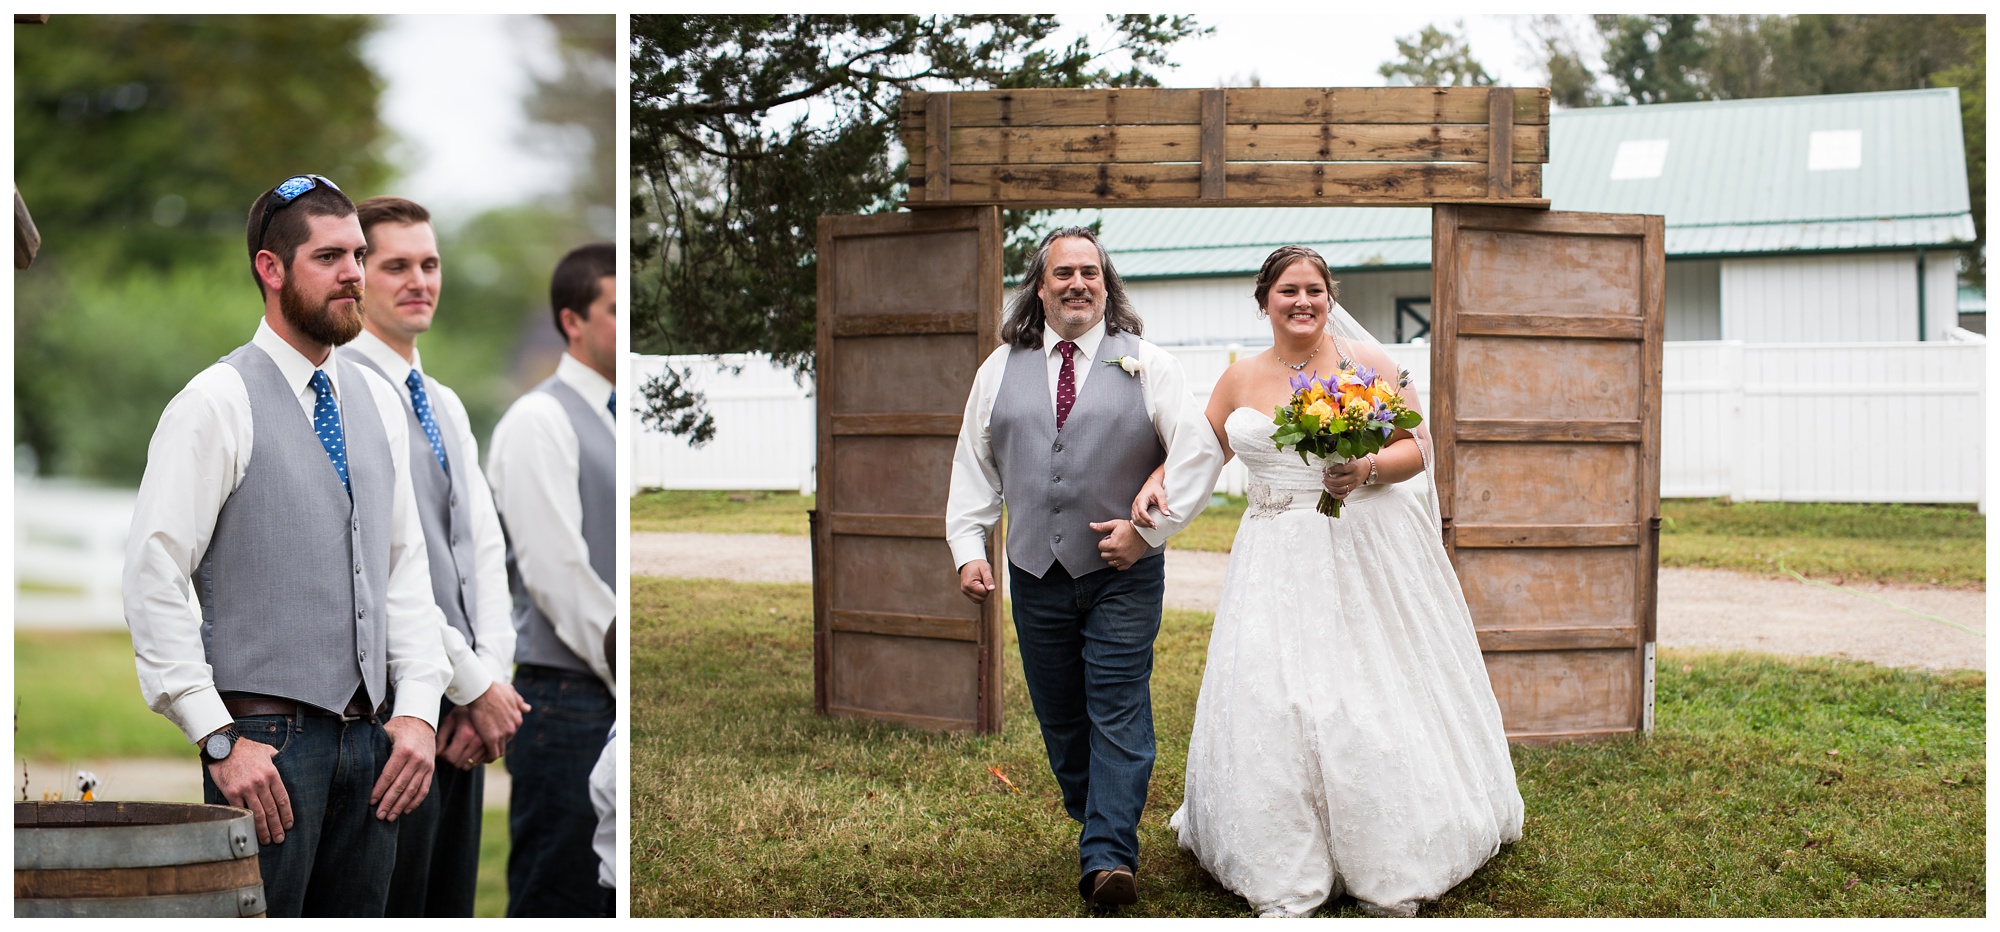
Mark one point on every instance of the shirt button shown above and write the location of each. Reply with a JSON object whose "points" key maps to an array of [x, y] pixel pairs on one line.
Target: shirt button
{"points": [[360, 613], [357, 569], [355, 525], [454, 500], [454, 540]]}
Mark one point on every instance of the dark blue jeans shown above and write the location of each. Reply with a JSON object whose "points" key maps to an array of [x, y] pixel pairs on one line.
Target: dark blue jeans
{"points": [[437, 846], [1087, 653], [551, 867], [336, 858]]}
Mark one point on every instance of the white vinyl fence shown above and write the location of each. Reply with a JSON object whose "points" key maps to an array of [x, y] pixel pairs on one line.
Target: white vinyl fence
{"points": [[1826, 422]]}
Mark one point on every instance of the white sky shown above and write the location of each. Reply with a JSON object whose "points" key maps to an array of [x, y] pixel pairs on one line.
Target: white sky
{"points": [[1329, 50], [453, 92]]}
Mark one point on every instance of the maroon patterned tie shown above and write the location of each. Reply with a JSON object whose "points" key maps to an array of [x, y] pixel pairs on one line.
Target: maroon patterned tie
{"points": [[1065, 382]]}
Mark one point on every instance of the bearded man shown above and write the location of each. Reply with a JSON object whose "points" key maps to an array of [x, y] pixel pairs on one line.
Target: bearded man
{"points": [[278, 489]]}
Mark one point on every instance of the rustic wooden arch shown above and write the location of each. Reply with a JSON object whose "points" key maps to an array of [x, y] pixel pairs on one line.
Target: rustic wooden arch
{"points": [[1550, 491]]}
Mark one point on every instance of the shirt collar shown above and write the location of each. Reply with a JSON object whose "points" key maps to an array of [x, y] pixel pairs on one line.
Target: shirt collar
{"points": [[296, 369], [593, 387], [382, 355], [1086, 345]]}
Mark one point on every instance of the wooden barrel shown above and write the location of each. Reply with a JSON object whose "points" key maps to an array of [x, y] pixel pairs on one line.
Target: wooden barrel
{"points": [[135, 859]]}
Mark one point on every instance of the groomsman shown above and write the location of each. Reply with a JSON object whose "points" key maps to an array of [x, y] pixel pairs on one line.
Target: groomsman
{"points": [[277, 490], [1071, 435], [553, 478], [437, 846]]}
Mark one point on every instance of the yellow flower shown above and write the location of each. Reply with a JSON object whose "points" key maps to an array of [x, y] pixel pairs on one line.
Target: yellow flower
{"points": [[1320, 409]]}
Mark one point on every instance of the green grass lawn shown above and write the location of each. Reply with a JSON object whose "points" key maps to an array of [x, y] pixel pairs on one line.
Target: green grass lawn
{"points": [[1905, 544], [1772, 787], [77, 695]]}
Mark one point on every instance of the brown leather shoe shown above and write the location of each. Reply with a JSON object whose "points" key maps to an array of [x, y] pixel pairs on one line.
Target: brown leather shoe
{"points": [[1115, 887]]}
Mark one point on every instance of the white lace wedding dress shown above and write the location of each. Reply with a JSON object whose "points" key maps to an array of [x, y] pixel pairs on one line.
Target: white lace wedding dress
{"points": [[1346, 738]]}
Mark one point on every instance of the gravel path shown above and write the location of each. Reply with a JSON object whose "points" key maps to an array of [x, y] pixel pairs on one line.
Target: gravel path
{"points": [[1705, 609]]}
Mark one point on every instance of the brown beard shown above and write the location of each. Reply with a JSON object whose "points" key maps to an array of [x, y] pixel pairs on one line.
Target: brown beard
{"points": [[328, 326]]}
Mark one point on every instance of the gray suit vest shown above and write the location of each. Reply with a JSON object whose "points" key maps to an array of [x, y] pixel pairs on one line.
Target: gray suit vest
{"points": [[596, 478], [445, 513], [296, 575], [1057, 482]]}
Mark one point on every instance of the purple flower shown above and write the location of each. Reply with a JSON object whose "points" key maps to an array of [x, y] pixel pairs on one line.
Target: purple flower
{"points": [[1366, 375], [1301, 382]]}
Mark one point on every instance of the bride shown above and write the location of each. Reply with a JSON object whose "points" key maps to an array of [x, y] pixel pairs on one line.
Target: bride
{"points": [[1346, 738]]}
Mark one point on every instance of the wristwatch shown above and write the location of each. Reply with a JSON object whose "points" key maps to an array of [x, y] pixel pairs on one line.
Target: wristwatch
{"points": [[217, 746]]}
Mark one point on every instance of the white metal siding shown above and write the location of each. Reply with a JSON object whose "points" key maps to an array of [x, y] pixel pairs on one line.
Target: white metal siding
{"points": [[1855, 297], [764, 428], [1694, 300], [1940, 293]]}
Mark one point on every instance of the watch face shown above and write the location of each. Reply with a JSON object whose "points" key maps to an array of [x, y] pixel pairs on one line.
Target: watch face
{"points": [[218, 747]]}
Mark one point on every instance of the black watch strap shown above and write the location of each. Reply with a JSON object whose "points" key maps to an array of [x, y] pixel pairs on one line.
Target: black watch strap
{"points": [[222, 741]]}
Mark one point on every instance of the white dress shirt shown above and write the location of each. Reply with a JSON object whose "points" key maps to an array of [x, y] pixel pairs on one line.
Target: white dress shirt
{"points": [[472, 669], [194, 463], [1194, 458], [532, 464]]}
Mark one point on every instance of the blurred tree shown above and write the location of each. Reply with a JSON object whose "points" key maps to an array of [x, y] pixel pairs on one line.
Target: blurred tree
{"points": [[143, 133], [1435, 58], [140, 142], [747, 129], [1653, 59], [1970, 78], [1570, 81], [579, 101]]}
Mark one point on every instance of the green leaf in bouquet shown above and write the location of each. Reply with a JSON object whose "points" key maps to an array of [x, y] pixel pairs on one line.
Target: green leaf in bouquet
{"points": [[1408, 419]]}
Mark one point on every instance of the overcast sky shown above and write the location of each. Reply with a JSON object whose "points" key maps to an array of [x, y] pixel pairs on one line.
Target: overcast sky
{"points": [[1339, 50]]}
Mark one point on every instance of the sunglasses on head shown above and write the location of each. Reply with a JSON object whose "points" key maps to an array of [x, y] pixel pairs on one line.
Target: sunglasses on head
{"points": [[286, 192]]}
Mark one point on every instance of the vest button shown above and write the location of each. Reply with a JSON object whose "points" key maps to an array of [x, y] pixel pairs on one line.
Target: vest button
{"points": [[1058, 538], [1058, 447], [1056, 479], [357, 569], [1058, 509], [454, 540], [360, 613], [355, 525], [364, 656]]}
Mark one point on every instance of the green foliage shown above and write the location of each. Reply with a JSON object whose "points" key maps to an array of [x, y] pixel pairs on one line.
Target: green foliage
{"points": [[745, 803], [1435, 58], [1970, 78], [1901, 544], [152, 134], [77, 697], [1653, 59], [747, 129]]}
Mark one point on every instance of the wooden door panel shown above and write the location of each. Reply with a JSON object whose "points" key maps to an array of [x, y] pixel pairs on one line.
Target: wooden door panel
{"points": [[920, 373], [921, 272], [1548, 586], [1545, 402], [909, 304], [1569, 693], [1545, 484], [910, 678], [895, 475], [1548, 380], [1554, 273]]}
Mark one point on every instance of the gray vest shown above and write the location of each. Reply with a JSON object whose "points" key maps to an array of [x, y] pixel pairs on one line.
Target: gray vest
{"points": [[596, 477], [446, 514], [1058, 482], [295, 578]]}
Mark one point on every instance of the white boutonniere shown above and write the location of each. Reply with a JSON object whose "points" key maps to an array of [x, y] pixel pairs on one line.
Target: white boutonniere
{"points": [[1130, 364]]}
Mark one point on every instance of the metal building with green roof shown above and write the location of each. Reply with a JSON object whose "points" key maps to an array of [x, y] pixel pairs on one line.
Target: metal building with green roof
{"points": [[1789, 220]]}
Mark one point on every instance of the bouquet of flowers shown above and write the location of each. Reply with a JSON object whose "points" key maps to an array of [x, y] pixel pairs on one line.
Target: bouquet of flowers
{"points": [[1341, 417]]}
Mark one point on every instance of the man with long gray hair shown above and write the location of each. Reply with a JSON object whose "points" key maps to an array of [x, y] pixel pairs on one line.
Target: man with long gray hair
{"points": [[1069, 418]]}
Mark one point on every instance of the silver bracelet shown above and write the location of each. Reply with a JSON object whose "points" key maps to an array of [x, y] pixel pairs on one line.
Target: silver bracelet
{"points": [[1371, 471]]}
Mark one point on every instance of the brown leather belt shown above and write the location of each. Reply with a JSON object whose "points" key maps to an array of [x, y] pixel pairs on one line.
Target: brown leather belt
{"points": [[244, 706]]}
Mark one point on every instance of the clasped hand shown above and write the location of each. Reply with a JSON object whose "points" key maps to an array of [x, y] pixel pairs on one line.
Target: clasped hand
{"points": [[1338, 480]]}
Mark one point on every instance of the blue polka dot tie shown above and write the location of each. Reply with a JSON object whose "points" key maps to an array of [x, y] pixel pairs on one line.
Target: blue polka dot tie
{"points": [[326, 423], [1065, 383], [612, 403], [421, 403]]}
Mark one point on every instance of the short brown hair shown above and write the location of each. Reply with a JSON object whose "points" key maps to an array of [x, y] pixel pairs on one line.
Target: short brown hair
{"points": [[575, 282], [289, 229], [383, 208], [1282, 259]]}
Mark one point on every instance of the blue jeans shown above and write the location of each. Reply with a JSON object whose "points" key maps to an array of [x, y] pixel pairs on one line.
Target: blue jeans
{"points": [[1087, 653], [551, 866], [336, 858], [437, 845]]}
